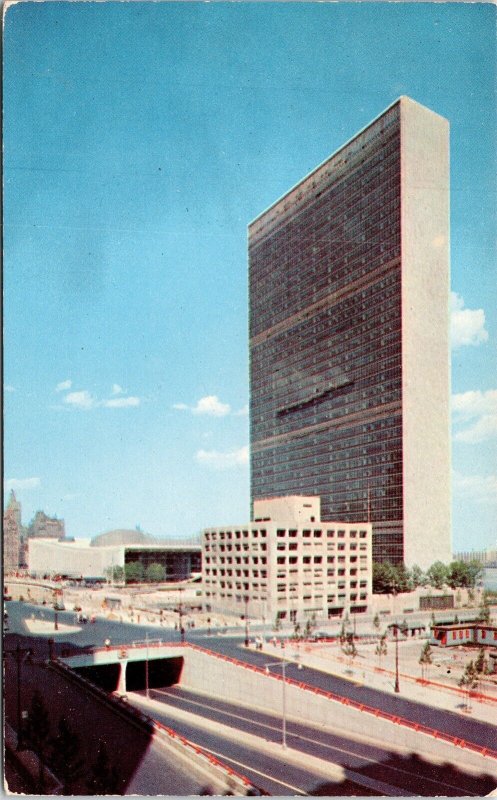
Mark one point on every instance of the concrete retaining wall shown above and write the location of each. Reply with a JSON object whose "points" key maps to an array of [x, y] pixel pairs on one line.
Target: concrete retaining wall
{"points": [[245, 686]]}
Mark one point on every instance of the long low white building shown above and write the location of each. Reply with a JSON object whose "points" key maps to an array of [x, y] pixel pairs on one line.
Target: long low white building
{"points": [[93, 558], [288, 564]]}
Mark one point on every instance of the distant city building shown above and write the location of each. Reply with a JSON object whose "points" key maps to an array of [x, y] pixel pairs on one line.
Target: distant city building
{"points": [[349, 326], [11, 535], [288, 564], [487, 558], [45, 527], [92, 559]]}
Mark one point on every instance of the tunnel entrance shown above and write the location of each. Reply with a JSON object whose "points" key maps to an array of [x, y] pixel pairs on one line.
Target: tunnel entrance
{"points": [[106, 676], [162, 672]]}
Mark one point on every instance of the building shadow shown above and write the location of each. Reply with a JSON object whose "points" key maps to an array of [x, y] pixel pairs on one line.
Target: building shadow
{"points": [[401, 771]]}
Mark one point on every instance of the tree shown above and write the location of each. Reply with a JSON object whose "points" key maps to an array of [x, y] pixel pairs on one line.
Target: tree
{"points": [[297, 631], [437, 575], [481, 664], [484, 609], [133, 572], [310, 624], [64, 759], [103, 778], [155, 573], [425, 658], [348, 647], [381, 648], [36, 734], [390, 578], [417, 577], [115, 573], [463, 575], [469, 681]]}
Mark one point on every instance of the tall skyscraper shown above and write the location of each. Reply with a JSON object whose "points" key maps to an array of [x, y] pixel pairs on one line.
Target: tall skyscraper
{"points": [[349, 326], [11, 535]]}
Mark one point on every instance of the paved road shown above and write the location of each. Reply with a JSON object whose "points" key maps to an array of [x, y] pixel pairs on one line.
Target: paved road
{"points": [[446, 721], [364, 766], [95, 634]]}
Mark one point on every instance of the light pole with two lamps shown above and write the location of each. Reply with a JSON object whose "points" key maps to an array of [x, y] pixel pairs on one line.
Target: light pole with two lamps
{"points": [[281, 664]]}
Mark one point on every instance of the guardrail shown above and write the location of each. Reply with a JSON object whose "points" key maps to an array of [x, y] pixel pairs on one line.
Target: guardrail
{"points": [[347, 701], [148, 724], [379, 713]]}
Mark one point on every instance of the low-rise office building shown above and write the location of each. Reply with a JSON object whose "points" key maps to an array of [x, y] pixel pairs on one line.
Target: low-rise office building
{"points": [[94, 558], [287, 564]]}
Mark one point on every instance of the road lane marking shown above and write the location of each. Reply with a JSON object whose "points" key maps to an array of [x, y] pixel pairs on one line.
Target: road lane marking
{"points": [[298, 736], [241, 765]]}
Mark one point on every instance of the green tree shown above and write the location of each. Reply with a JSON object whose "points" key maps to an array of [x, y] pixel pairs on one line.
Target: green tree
{"points": [[425, 658], [103, 778], [348, 647], [484, 609], [437, 575], [417, 577], [37, 733], [463, 575], [390, 578], [65, 752], [469, 681], [481, 663], [310, 624], [133, 572], [155, 573], [381, 648], [115, 573], [376, 622]]}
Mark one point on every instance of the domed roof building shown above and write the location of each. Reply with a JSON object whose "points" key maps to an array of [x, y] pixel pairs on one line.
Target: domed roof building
{"points": [[122, 536]]}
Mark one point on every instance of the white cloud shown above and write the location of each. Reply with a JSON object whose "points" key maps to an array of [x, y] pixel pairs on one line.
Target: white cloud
{"points": [[9, 388], [467, 326], [482, 489], [81, 399], [63, 386], [116, 389], [209, 406], [21, 484], [217, 460], [121, 402], [85, 401], [242, 412], [478, 412]]}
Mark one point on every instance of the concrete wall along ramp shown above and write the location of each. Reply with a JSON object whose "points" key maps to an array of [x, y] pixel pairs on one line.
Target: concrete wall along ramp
{"points": [[250, 686]]}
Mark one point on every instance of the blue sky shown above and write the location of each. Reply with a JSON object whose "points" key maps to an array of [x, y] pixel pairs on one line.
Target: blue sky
{"points": [[140, 139]]}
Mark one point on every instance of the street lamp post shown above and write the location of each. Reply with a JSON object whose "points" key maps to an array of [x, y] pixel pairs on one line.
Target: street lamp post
{"points": [[180, 610], [20, 654], [282, 664], [397, 687], [246, 622], [147, 692]]}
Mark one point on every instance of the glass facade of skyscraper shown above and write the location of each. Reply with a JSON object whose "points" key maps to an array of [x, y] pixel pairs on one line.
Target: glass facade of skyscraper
{"points": [[326, 339]]}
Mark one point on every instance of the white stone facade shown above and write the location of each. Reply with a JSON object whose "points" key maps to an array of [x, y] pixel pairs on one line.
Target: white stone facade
{"points": [[288, 564]]}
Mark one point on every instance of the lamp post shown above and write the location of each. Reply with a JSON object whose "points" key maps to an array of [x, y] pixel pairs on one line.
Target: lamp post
{"points": [[282, 664], [403, 630], [180, 610], [397, 687], [246, 600], [20, 654], [147, 692]]}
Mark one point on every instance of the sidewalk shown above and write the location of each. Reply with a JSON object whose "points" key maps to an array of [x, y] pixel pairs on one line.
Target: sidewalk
{"points": [[327, 658]]}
